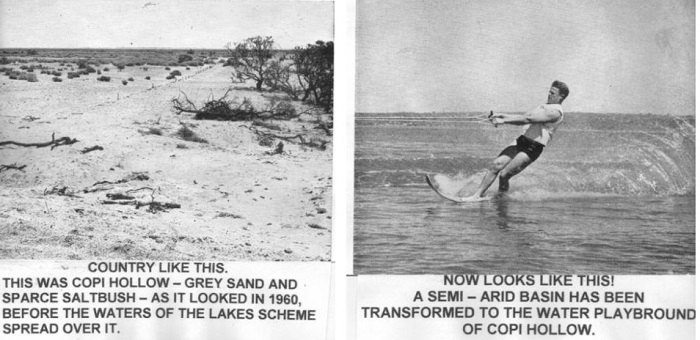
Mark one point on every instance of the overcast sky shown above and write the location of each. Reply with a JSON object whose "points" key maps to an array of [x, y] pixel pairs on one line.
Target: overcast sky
{"points": [[632, 56], [161, 23]]}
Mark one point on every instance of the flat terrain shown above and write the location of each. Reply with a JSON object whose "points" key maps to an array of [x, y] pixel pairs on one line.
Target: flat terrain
{"points": [[236, 201]]}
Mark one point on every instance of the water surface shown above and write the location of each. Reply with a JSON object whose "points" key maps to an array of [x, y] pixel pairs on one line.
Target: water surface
{"points": [[611, 194]]}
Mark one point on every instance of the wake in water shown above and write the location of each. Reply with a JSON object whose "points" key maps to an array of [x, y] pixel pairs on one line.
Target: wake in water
{"points": [[590, 156]]}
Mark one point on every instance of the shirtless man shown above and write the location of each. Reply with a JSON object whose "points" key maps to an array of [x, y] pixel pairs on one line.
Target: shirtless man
{"points": [[541, 122]]}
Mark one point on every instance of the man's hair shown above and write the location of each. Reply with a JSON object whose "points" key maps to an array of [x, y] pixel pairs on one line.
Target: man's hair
{"points": [[563, 89]]}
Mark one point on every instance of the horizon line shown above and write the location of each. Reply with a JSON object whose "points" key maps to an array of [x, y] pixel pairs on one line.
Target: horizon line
{"points": [[516, 112]]}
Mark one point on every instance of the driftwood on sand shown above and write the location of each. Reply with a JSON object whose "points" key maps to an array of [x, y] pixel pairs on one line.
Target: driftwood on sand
{"points": [[153, 206], [12, 167], [302, 139], [53, 143], [96, 147]]}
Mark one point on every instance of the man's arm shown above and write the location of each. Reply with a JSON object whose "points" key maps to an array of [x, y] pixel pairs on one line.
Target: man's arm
{"points": [[533, 116]]}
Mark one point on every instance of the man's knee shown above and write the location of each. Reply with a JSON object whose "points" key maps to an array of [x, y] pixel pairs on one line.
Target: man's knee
{"points": [[507, 174], [511, 171], [497, 165]]}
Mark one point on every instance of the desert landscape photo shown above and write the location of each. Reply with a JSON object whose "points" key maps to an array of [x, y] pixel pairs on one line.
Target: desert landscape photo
{"points": [[167, 153]]}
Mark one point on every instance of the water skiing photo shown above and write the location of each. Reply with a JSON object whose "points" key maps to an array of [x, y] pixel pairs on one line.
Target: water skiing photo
{"points": [[504, 137]]}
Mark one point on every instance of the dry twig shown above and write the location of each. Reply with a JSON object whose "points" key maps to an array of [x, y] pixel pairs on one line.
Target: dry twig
{"points": [[54, 142]]}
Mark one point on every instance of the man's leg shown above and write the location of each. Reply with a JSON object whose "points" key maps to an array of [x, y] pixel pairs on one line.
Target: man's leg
{"points": [[514, 167], [496, 166]]}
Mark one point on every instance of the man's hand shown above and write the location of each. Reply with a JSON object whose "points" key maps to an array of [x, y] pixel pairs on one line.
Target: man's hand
{"points": [[496, 119]]}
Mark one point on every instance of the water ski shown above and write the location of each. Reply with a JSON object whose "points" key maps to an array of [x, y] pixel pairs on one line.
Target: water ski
{"points": [[442, 186]]}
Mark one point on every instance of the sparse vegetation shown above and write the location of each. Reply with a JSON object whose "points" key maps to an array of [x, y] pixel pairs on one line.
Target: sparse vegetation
{"points": [[187, 134], [104, 78], [57, 79], [105, 57], [124, 82], [251, 59], [225, 109], [184, 58], [155, 131], [310, 74]]}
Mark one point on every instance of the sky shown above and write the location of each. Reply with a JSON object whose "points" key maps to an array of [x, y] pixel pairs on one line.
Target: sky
{"points": [[622, 56], [161, 23]]}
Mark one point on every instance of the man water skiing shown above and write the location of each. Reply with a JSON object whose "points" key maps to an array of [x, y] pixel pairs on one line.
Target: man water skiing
{"points": [[541, 122]]}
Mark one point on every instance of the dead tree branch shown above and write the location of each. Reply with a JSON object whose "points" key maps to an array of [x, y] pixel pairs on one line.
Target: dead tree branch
{"points": [[54, 142], [313, 143], [12, 167], [96, 147], [61, 191]]}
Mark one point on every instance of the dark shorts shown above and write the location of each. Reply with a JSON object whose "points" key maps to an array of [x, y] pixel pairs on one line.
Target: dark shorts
{"points": [[531, 148]]}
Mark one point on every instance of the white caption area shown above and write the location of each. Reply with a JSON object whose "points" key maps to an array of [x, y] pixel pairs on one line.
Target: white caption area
{"points": [[165, 300], [525, 307]]}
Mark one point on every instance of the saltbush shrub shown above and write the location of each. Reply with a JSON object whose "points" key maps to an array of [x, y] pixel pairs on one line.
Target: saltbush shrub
{"points": [[57, 79], [104, 78], [124, 82], [183, 58], [187, 134]]}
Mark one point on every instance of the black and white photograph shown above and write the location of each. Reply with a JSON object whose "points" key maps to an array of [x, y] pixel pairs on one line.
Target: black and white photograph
{"points": [[166, 130], [507, 137]]}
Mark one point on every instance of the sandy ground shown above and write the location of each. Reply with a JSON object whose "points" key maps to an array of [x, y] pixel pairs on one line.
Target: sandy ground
{"points": [[237, 203]]}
